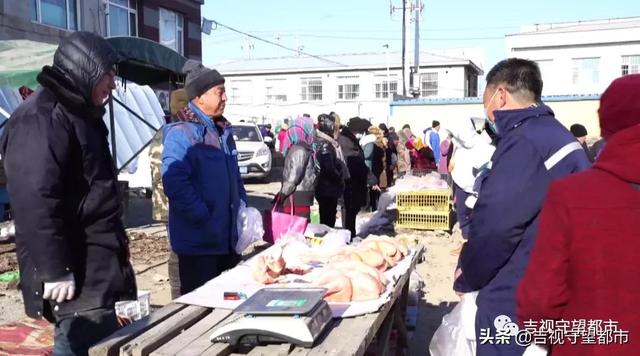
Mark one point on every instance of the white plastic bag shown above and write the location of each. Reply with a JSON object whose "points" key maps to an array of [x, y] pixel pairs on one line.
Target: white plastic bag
{"points": [[452, 337], [250, 228]]}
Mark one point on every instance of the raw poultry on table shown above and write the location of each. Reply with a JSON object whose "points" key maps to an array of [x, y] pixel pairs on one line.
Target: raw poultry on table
{"points": [[353, 273]]}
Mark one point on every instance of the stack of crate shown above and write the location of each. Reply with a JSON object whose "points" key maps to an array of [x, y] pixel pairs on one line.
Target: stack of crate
{"points": [[424, 210]]}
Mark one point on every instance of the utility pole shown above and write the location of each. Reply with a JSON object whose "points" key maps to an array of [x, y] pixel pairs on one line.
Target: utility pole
{"points": [[415, 78], [407, 10], [405, 66]]}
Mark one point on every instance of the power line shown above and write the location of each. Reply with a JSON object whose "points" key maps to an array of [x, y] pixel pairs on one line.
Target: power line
{"points": [[322, 58], [278, 44], [399, 39]]}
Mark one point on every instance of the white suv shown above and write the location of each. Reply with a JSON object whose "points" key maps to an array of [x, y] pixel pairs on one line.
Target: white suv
{"points": [[254, 157]]}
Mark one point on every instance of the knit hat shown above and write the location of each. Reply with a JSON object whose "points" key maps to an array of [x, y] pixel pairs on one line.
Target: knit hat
{"points": [[200, 79], [578, 130], [620, 105], [178, 100]]}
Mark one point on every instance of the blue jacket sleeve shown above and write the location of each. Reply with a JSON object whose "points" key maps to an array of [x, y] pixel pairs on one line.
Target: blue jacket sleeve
{"points": [[509, 202], [368, 155], [434, 141], [176, 176]]}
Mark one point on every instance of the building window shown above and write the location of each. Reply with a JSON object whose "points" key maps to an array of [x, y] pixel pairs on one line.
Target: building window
{"points": [[348, 89], [471, 84], [630, 65], [586, 71], [311, 89], [241, 92], [276, 91], [386, 88], [172, 30], [122, 19], [58, 13], [429, 84]]}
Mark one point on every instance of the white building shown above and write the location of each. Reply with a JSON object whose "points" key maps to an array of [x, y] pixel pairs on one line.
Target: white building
{"points": [[580, 57], [271, 89]]}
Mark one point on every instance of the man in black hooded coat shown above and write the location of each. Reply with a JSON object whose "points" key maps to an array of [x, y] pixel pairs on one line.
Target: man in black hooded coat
{"points": [[71, 244], [360, 177]]}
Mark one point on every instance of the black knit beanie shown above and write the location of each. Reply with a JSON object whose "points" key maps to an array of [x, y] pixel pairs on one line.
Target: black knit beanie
{"points": [[578, 130], [200, 79]]}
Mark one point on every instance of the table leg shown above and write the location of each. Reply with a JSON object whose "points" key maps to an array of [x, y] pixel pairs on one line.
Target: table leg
{"points": [[385, 332]]}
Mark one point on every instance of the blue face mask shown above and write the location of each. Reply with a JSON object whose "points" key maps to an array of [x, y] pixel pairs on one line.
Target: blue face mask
{"points": [[492, 124]]}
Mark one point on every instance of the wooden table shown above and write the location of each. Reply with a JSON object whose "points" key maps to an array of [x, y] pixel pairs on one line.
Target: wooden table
{"points": [[184, 330]]}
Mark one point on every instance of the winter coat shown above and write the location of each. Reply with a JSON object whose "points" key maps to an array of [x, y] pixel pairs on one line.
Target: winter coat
{"points": [[584, 264], [331, 179], [299, 176], [158, 198], [360, 176], [471, 152], [443, 164], [63, 186], [202, 180], [533, 150], [404, 158], [432, 139], [586, 149], [375, 158], [281, 136]]}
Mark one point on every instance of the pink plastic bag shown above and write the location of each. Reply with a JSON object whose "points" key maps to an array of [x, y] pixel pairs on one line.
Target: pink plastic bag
{"points": [[278, 224]]}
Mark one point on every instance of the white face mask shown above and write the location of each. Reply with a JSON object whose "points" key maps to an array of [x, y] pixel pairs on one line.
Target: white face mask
{"points": [[358, 136]]}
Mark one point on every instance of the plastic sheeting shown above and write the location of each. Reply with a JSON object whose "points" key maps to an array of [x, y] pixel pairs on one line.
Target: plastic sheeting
{"points": [[132, 134]]}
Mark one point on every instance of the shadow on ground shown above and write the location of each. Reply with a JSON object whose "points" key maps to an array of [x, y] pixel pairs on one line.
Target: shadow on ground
{"points": [[429, 319]]}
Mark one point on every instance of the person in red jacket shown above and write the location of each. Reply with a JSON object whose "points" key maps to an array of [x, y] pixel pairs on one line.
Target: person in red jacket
{"points": [[584, 265]]}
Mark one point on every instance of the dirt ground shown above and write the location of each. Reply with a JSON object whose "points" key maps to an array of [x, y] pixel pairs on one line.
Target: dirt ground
{"points": [[149, 252]]}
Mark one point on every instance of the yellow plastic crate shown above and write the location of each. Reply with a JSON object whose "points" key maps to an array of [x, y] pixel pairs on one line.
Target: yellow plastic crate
{"points": [[426, 200], [424, 220]]}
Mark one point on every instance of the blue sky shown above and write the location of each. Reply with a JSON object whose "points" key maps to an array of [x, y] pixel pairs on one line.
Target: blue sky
{"points": [[321, 26]]}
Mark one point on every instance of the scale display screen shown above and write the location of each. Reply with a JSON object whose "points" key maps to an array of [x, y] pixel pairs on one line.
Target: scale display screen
{"points": [[282, 301]]}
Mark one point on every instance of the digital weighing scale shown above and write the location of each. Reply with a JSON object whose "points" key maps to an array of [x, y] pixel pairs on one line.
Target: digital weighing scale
{"points": [[277, 315]]}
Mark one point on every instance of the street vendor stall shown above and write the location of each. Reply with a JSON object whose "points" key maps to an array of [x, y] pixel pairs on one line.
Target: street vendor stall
{"points": [[134, 112], [360, 323]]}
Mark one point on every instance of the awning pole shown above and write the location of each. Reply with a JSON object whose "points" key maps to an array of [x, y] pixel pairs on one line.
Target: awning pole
{"points": [[112, 128]]}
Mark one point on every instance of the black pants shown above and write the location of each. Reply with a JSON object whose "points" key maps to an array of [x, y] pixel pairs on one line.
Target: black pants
{"points": [[374, 196], [328, 210], [349, 214], [196, 270], [74, 335]]}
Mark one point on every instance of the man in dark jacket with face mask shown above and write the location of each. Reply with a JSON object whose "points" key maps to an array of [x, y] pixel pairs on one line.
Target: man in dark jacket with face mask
{"points": [[71, 244]]}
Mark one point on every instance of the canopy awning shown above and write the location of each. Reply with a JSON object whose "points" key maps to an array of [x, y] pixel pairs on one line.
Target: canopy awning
{"points": [[22, 60], [147, 62]]}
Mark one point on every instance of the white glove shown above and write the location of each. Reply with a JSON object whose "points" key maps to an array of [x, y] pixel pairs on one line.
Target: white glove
{"points": [[60, 290]]}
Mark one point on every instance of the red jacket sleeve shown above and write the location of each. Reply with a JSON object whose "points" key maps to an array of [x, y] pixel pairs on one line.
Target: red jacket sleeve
{"points": [[543, 292]]}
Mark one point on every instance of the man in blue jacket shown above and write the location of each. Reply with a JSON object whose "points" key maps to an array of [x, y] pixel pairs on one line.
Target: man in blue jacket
{"points": [[202, 181], [533, 149], [432, 139]]}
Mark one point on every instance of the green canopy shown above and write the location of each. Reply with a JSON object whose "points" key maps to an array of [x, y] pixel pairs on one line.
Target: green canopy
{"points": [[147, 62], [22, 60]]}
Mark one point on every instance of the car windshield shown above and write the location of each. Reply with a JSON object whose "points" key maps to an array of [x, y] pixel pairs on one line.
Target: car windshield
{"points": [[246, 134]]}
